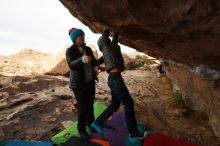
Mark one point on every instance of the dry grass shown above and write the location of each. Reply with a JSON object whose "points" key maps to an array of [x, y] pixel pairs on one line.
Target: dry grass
{"points": [[141, 61], [176, 101], [197, 117]]}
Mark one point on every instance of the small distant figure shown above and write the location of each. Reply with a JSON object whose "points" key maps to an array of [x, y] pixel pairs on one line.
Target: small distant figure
{"points": [[161, 70]]}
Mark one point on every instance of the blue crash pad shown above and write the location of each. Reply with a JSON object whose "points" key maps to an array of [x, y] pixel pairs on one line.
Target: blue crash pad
{"points": [[28, 143]]}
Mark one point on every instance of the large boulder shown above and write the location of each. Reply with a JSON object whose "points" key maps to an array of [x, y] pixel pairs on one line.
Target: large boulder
{"points": [[186, 32], [58, 65]]}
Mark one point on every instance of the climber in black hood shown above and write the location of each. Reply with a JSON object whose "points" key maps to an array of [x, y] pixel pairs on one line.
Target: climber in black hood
{"points": [[114, 66], [111, 51]]}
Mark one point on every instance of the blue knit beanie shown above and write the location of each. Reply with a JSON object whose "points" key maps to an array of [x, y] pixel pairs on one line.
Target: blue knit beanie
{"points": [[74, 33]]}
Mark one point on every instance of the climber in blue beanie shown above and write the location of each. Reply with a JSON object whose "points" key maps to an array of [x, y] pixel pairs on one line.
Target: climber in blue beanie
{"points": [[81, 62]]}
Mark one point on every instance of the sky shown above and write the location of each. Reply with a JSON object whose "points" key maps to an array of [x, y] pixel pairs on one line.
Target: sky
{"points": [[41, 25]]}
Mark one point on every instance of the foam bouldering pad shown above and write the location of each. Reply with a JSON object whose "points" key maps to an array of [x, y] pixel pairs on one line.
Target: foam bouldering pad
{"points": [[118, 133], [76, 141], [141, 128], [28, 143], [98, 109], [100, 141], [128, 143], [162, 140], [2, 143], [63, 136]]}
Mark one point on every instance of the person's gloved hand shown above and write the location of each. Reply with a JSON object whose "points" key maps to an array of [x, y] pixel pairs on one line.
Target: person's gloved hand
{"points": [[86, 59], [106, 32]]}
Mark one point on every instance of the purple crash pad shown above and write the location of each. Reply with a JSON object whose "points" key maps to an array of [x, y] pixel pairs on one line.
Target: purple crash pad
{"points": [[118, 133]]}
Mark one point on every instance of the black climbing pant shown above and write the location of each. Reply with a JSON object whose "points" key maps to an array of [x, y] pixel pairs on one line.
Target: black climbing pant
{"points": [[120, 94], [85, 99]]}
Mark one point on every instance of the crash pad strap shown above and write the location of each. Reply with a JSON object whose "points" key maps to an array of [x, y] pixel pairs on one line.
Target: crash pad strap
{"points": [[100, 141]]}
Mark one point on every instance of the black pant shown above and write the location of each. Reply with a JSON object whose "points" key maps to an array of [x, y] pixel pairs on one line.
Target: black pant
{"points": [[85, 99], [119, 93]]}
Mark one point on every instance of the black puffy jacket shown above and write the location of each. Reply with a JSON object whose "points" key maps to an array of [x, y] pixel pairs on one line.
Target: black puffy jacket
{"points": [[111, 52], [73, 58]]}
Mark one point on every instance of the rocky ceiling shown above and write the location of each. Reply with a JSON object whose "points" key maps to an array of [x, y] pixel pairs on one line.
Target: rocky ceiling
{"points": [[186, 31]]}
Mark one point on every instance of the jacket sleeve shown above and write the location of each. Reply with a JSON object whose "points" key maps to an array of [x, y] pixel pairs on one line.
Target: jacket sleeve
{"points": [[98, 62], [95, 62], [72, 62]]}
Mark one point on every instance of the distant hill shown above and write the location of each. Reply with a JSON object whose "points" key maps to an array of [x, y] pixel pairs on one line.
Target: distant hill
{"points": [[31, 62]]}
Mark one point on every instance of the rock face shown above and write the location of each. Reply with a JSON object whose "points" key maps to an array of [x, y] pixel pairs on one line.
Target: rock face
{"points": [[200, 88], [186, 31], [38, 107], [57, 65], [31, 107]]}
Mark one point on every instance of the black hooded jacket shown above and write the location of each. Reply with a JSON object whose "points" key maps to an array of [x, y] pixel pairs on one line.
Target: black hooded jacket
{"points": [[74, 61], [111, 51]]}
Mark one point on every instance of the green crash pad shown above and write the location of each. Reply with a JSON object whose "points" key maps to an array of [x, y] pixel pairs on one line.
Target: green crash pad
{"points": [[2, 143], [63, 136]]}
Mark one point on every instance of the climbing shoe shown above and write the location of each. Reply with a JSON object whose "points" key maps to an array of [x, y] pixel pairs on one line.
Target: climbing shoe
{"points": [[137, 137], [84, 135]]}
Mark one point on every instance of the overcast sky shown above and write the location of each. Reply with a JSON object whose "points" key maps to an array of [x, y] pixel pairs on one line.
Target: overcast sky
{"points": [[38, 24]]}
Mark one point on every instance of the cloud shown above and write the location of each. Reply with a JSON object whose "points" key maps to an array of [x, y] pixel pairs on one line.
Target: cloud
{"points": [[38, 24]]}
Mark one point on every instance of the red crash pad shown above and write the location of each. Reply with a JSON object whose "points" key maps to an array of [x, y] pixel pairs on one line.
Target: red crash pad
{"points": [[162, 140]]}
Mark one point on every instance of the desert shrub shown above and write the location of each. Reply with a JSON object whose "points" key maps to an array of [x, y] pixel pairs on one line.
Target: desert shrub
{"points": [[140, 61], [177, 101]]}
